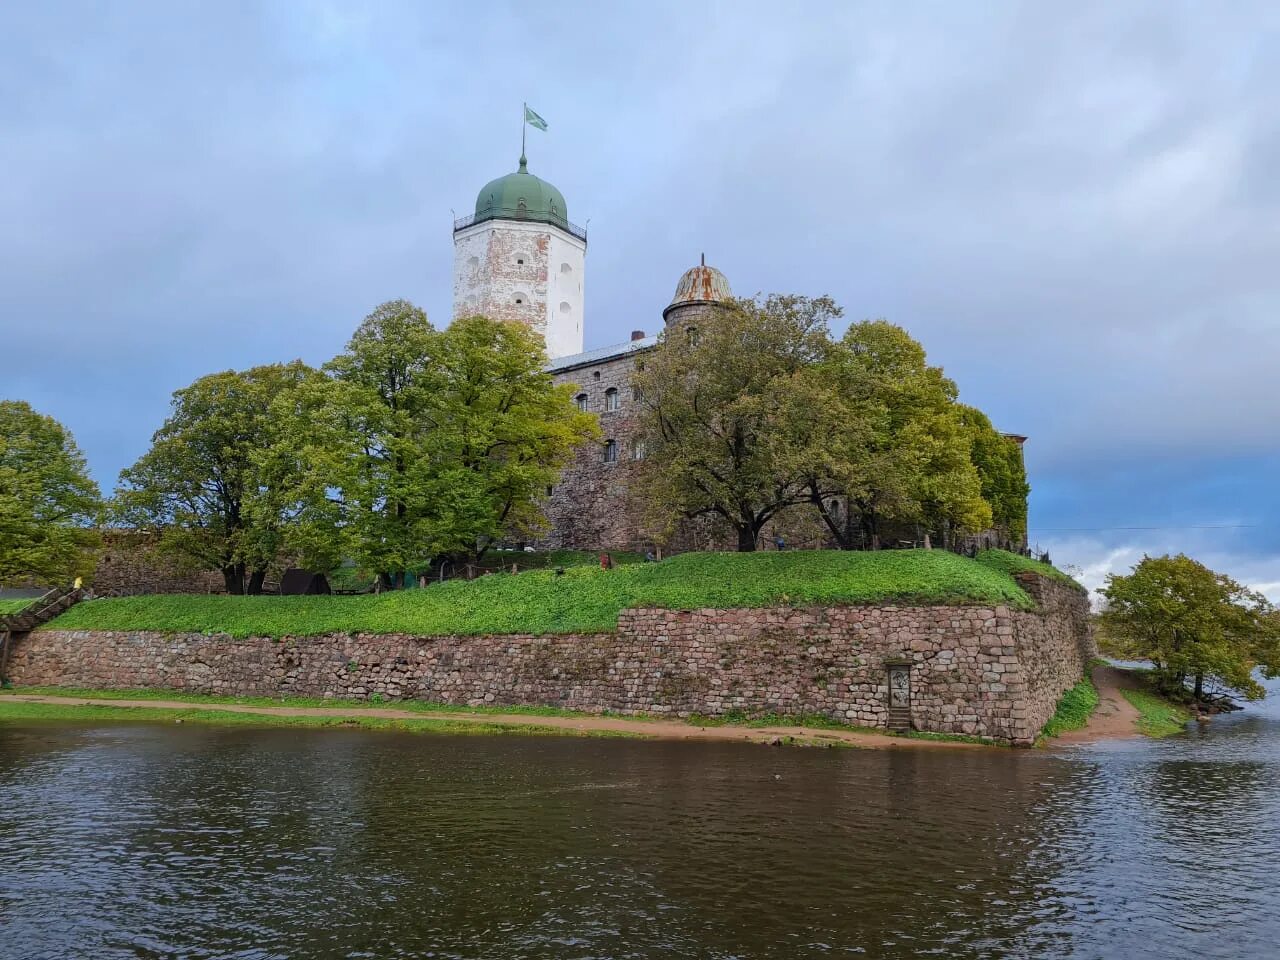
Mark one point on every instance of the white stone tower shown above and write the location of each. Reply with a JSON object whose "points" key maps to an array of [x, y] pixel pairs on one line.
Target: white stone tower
{"points": [[519, 258]]}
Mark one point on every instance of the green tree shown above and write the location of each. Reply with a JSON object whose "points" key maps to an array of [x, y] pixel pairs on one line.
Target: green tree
{"points": [[425, 444], [48, 503], [904, 449], [734, 414], [1196, 626], [1002, 471], [201, 486]]}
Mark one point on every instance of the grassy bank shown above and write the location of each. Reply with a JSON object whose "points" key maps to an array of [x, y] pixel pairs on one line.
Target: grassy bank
{"points": [[1074, 709], [584, 599], [12, 606], [17, 711], [1011, 563], [1158, 717], [203, 709]]}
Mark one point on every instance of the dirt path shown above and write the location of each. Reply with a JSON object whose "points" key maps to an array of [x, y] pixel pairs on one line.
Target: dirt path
{"points": [[661, 729], [1115, 717]]}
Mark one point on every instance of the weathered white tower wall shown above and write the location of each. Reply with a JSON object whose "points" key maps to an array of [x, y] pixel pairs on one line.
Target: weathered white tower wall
{"points": [[529, 272]]}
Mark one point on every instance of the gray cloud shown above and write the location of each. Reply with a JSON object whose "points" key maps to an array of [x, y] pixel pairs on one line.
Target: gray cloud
{"points": [[1074, 208]]}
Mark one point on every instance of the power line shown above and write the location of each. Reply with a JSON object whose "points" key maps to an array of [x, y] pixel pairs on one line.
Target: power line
{"points": [[1193, 526]]}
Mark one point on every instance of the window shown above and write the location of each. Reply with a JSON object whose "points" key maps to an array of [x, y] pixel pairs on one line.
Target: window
{"points": [[611, 399], [640, 366], [565, 268], [519, 300], [581, 401], [520, 261], [636, 393], [550, 491], [692, 334], [638, 449], [565, 306], [595, 375], [611, 451]]}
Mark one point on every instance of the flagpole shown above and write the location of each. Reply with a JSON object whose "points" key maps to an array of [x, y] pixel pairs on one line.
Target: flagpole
{"points": [[523, 125]]}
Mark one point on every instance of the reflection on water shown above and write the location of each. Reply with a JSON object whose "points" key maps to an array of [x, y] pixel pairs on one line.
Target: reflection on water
{"points": [[159, 841]]}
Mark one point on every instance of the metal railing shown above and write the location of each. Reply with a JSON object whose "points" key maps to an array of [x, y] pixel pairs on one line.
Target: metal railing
{"points": [[520, 213]]}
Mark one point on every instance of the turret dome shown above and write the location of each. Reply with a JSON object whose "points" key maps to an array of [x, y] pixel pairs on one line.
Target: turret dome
{"points": [[700, 284], [521, 196]]}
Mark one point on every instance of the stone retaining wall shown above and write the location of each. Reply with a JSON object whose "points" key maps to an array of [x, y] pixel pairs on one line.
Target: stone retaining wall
{"points": [[988, 671]]}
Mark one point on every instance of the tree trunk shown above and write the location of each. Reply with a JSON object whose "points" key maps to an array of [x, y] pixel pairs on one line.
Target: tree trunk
{"points": [[255, 582], [233, 579], [1199, 691], [746, 539], [841, 536]]}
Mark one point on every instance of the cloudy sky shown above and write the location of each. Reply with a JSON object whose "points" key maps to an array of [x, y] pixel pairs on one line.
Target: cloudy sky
{"points": [[1076, 207]]}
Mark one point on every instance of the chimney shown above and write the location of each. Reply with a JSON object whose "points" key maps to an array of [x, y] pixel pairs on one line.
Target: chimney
{"points": [[637, 335]]}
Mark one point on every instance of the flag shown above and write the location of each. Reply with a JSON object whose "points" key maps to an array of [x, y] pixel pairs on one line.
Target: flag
{"points": [[533, 120]]}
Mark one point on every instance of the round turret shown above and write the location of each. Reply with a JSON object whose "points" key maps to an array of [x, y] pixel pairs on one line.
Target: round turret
{"points": [[699, 289]]}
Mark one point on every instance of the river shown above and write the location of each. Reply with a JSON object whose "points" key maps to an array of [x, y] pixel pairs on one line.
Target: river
{"points": [[152, 840]]}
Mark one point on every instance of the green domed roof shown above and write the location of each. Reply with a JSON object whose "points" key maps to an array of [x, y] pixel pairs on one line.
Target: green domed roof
{"points": [[521, 196]]}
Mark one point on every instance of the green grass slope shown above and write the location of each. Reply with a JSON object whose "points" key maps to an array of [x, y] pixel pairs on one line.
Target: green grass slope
{"points": [[12, 606], [1011, 563], [584, 599]]}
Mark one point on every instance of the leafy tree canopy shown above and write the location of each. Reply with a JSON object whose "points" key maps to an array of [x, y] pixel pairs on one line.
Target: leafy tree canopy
{"points": [[423, 444], [202, 485], [1002, 472], [734, 413], [47, 500], [1196, 626], [904, 455]]}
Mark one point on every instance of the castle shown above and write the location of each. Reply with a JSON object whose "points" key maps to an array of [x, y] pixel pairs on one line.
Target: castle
{"points": [[518, 257]]}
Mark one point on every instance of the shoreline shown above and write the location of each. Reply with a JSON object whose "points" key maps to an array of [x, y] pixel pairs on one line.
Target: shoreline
{"points": [[498, 722], [1114, 718]]}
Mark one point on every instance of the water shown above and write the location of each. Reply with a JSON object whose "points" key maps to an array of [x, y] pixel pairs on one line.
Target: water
{"points": [[187, 841]]}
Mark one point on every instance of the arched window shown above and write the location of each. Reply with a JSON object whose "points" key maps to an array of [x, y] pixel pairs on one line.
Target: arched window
{"points": [[692, 333], [582, 402], [611, 401], [611, 451], [638, 449]]}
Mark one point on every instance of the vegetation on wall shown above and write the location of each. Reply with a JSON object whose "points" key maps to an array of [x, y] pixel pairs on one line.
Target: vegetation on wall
{"points": [[47, 500], [1200, 629], [582, 599]]}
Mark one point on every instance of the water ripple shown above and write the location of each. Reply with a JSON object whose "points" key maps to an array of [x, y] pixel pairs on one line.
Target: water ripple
{"points": [[203, 842]]}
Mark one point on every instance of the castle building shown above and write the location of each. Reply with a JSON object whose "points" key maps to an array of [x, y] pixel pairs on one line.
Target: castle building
{"points": [[518, 257]]}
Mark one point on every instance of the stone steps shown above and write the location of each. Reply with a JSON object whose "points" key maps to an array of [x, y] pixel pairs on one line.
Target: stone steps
{"points": [[37, 612]]}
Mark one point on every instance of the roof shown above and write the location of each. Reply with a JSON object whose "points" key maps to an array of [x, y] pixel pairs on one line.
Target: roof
{"points": [[600, 355], [521, 196]]}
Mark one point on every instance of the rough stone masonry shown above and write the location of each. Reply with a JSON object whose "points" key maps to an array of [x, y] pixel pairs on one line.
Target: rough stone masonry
{"points": [[986, 671]]}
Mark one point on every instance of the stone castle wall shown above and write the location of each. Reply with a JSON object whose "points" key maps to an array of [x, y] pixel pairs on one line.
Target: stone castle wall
{"points": [[986, 671], [128, 564]]}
